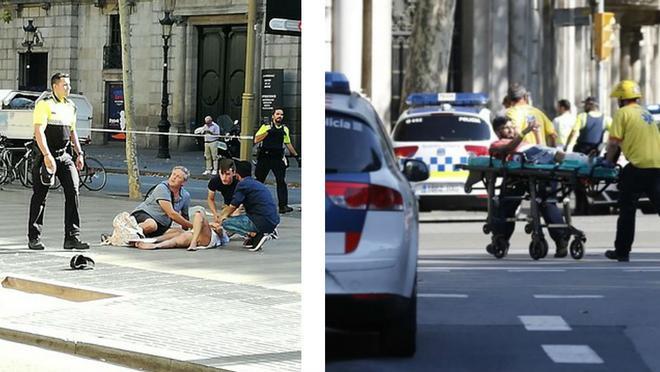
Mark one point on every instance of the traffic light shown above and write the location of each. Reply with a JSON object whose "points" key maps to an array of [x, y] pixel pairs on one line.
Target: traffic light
{"points": [[604, 34]]}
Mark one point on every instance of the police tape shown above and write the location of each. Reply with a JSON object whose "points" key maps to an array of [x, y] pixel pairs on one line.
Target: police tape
{"points": [[117, 131]]}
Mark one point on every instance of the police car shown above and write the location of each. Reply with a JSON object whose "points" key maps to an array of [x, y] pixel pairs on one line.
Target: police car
{"points": [[371, 223], [444, 130], [655, 111]]}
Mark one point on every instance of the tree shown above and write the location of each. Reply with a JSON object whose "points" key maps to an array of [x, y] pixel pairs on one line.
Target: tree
{"points": [[427, 67], [131, 151]]}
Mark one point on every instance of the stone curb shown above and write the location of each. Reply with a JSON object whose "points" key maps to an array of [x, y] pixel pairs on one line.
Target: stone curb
{"points": [[126, 358]]}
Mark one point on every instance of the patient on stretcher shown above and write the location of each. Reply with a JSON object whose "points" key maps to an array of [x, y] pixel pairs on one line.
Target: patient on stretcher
{"points": [[511, 145]]}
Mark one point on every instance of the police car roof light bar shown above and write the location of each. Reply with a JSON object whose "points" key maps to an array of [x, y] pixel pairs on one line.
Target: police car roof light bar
{"points": [[456, 99], [336, 82]]}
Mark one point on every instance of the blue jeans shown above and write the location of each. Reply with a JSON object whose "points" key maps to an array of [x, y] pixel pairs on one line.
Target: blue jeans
{"points": [[241, 225]]}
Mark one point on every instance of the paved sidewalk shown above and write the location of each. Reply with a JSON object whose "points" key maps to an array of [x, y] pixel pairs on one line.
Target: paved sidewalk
{"points": [[113, 157], [175, 310]]}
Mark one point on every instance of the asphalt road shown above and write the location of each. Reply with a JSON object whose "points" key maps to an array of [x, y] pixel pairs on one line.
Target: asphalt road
{"points": [[476, 313]]}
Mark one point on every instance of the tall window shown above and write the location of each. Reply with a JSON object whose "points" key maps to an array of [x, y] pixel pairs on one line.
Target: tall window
{"points": [[112, 51], [115, 31]]}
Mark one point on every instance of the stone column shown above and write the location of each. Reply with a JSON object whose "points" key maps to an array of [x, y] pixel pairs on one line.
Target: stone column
{"points": [[381, 62], [518, 30], [347, 40], [565, 63], [499, 76], [480, 24]]}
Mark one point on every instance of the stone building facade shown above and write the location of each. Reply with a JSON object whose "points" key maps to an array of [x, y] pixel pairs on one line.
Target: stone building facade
{"points": [[206, 64]]}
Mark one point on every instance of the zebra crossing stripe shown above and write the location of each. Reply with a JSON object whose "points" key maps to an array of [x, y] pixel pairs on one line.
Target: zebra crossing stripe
{"points": [[575, 354], [544, 323]]}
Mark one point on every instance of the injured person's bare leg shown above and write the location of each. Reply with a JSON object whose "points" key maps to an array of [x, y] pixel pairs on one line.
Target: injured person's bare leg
{"points": [[180, 241], [201, 232]]}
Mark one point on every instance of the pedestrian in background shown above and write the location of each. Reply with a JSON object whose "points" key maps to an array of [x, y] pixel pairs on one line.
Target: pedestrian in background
{"points": [[273, 137], [211, 132], [590, 127], [637, 135], [563, 123], [521, 114], [54, 121]]}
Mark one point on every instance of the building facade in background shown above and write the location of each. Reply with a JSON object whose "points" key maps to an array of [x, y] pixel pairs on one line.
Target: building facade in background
{"points": [[206, 64], [544, 44]]}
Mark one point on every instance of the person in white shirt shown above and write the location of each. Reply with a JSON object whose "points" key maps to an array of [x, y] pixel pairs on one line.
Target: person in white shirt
{"points": [[563, 123], [211, 132]]}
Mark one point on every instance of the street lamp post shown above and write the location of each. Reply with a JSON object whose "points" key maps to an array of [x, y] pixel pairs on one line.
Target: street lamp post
{"points": [[164, 124], [28, 42]]}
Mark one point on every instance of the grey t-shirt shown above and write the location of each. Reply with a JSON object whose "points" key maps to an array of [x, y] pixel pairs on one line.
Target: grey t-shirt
{"points": [[162, 192]]}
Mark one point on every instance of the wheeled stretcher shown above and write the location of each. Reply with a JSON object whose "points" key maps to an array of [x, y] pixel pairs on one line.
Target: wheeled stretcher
{"points": [[557, 180]]}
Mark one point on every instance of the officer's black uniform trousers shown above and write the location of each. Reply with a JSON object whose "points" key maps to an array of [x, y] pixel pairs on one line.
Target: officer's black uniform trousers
{"points": [[68, 176], [272, 160], [634, 182]]}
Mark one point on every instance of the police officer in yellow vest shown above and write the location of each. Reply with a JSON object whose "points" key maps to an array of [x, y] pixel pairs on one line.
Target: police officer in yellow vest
{"points": [[636, 133], [274, 136], [54, 130]]}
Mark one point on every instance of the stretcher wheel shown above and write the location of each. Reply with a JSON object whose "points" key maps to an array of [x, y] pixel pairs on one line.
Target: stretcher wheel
{"points": [[490, 248], [528, 228], [501, 248], [486, 229], [536, 249], [544, 244], [577, 249]]}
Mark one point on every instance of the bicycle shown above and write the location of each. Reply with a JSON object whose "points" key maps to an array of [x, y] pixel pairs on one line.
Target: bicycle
{"points": [[21, 170], [92, 175]]}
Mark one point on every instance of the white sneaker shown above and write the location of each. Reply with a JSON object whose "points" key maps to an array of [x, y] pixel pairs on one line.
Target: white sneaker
{"points": [[214, 172], [206, 173]]}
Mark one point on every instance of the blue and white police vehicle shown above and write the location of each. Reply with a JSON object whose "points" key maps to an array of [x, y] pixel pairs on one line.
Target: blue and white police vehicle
{"points": [[444, 130], [655, 111], [371, 223]]}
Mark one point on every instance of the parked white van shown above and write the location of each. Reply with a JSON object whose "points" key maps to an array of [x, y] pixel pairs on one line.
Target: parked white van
{"points": [[17, 108]]}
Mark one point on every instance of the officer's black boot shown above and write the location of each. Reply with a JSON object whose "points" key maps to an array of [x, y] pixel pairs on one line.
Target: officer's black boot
{"points": [[74, 243], [36, 244]]}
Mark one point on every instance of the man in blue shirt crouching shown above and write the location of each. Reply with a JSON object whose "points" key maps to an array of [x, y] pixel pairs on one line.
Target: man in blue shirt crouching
{"points": [[260, 220]]}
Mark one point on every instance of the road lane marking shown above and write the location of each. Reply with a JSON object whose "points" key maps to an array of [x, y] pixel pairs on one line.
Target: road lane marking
{"points": [[544, 323], [642, 270], [442, 295], [513, 268], [574, 354], [549, 296], [536, 270]]}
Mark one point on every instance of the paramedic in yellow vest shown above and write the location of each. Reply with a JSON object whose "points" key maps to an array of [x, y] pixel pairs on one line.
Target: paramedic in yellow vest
{"points": [[54, 130], [637, 135], [521, 113]]}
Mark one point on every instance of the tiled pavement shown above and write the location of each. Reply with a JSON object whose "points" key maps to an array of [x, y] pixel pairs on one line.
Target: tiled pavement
{"points": [[215, 315]]}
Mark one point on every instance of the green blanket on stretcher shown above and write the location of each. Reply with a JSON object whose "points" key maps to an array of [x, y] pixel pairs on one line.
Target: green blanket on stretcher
{"points": [[567, 165]]}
